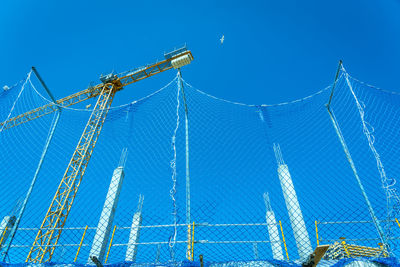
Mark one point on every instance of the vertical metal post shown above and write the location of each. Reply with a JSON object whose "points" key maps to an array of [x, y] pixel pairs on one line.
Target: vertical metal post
{"points": [[35, 176], [192, 256], [80, 244], [334, 84], [111, 241], [180, 84], [284, 241], [45, 87], [316, 232], [350, 160]]}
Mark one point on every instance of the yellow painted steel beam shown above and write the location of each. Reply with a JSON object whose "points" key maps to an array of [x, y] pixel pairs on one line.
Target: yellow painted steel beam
{"points": [[316, 232], [111, 241], [50, 108], [192, 256], [91, 92], [80, 244], [397, 221], [284, 241]]}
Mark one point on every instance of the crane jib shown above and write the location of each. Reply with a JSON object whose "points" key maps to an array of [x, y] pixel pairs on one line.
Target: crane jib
{"points": [[94, 91]]}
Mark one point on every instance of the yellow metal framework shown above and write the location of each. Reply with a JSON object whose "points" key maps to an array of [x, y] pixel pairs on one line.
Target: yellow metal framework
{"points": [[316, 232], [91, 92], [51, 228], [284, 241], [341, 249], [80, 244], [111, 241]]}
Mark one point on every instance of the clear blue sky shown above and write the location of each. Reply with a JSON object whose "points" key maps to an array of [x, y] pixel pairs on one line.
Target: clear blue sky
{"points": [[274, 51]]}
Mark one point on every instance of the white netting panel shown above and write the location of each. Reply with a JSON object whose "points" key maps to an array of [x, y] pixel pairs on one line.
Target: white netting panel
{"points": [[232, 164]]}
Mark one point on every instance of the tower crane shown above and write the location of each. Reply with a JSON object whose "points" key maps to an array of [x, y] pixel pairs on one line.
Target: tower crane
{"points": [[52, 226]]}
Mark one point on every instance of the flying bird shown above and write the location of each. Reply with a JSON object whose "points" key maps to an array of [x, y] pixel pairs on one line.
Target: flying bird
{"points": [[222, 39]]}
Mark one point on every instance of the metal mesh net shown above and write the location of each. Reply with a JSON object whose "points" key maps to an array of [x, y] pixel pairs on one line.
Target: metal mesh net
{"points": [[228, 181]]}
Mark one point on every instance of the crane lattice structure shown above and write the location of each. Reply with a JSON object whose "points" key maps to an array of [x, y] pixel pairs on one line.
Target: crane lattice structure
{"points": [[52, 226]]}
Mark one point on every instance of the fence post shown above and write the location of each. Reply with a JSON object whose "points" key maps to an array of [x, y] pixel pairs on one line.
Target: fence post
{"points": [[39, 166], [350, 160]]}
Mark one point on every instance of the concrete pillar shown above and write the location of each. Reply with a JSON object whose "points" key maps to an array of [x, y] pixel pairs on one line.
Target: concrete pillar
{"points": [[273, 231], [292, 204], [295, 215], [5, 228], [104, 226], [131, 250]]}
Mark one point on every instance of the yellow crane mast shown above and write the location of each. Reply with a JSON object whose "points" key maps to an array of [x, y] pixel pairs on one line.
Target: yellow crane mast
{"points": [[53, 223], [51, 228]]}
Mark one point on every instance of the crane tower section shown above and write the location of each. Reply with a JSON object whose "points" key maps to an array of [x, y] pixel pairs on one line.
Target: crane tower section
{"points": [[51, 228]]}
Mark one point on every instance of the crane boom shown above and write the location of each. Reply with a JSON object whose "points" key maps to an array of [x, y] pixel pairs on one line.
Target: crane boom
{"points": [[51, 228], [93, 91]]}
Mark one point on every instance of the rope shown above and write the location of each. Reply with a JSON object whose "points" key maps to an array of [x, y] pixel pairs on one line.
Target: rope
{"points": [[389, 188], [263, 105], [369, 85], [172, 239]]}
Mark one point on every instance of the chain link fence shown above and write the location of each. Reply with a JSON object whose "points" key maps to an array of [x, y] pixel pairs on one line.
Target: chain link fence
{"points": [[181, 173]]}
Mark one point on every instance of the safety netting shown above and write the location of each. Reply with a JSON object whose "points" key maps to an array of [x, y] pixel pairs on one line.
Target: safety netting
{"points": [[181, 173]]}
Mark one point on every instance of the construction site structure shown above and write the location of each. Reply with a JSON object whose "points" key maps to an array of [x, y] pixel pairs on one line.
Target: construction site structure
{"points": [[293, 207], [134, 234], [340, 249], [52, 226], [273, 232], [105, 223]]}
